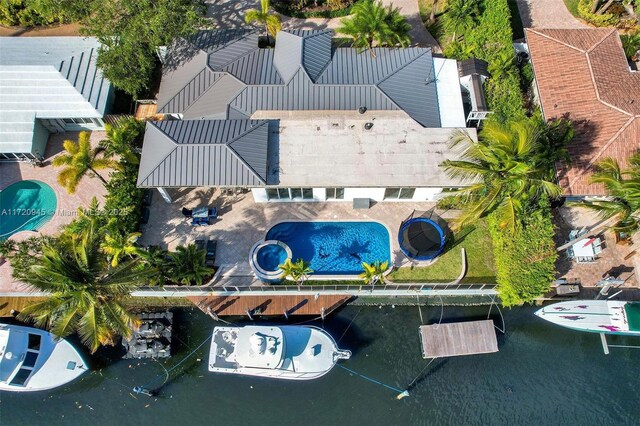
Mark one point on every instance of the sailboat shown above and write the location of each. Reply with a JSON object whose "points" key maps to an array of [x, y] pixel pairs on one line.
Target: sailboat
{"points": [[595, 316], [278, 352], [32, 359]]}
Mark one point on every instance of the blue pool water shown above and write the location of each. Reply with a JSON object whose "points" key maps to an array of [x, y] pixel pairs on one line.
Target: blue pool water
{"points": [[334, 248], [25, 205], [270, 256]]}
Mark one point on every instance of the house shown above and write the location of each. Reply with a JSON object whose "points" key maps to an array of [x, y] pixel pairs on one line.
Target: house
{"points": [[48, 84], [583, 73], [305, 121]]}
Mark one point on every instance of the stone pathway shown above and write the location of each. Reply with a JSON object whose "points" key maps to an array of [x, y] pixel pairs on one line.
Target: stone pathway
{"points": [[547, 14]]}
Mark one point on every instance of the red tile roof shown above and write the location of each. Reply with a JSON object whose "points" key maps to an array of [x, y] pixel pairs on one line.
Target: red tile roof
{"points": [[584, 73]]}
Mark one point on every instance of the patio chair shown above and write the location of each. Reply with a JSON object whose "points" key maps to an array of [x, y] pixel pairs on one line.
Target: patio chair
{"points": [[187, 212], [210, 257], [213, 213]]}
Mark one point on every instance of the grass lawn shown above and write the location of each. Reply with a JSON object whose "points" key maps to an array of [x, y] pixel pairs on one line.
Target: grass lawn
{"points": [[572, 5], [480, 265]]}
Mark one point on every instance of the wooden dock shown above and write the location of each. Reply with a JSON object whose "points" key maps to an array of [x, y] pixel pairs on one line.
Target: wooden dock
{"points": [[16, 303], [270, 305], [459, 338]]}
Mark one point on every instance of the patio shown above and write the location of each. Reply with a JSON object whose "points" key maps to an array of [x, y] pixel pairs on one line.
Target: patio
{"points": [[242, 222], [595, 255]]}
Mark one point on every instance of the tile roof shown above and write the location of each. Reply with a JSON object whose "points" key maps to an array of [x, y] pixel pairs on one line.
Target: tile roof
{"points": [[584, 73]]}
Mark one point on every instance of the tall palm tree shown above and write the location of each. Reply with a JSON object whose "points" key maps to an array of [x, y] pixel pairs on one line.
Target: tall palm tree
{"points": [[157, 263], [623, 186], [188, 265], [298, 271], [373, 23], [504, 169], [121, 140], [460, 16], [84, 296], [78, 160], [374, 272], [117, 244], [272, 23]]}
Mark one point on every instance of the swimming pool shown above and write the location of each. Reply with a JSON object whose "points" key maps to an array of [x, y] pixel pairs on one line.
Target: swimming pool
{"points": [[25, 205], [334, 248]]}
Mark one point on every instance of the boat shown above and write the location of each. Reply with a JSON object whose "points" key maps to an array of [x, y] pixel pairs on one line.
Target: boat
{"points": [[34, 360], [596, 316], [278, 352], [152, 339]]}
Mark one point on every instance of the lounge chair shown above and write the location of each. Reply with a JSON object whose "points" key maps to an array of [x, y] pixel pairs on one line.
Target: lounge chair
{"points": [[210, 257]]}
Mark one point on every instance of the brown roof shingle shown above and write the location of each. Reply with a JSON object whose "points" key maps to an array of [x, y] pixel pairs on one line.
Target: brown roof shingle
{"points": [[584, 73]]}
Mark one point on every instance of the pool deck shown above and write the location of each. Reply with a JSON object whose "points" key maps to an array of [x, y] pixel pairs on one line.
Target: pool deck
{"points": [[242, 222], [12, 172]]}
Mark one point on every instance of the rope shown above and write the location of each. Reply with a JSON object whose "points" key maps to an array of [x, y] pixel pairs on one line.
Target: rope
{"points": [[401, 393], [419, 309], [349, 326], [504, 326], [441, 312], [420, 374]]}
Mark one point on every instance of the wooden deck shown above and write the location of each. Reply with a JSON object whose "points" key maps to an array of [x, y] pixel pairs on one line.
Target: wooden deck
{"points": [[459, 338], [15, 303], [147, 111], [270, 305]]}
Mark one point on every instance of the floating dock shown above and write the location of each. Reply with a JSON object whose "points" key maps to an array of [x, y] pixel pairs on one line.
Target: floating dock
{"points": [[458, 338], [285, 305]]}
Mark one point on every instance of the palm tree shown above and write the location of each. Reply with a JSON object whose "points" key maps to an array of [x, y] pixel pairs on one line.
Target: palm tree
{"points": [[631, 45], [272, 23], [507, 170], [84, 296], [623, 186], [460, 16], [298, 271], [79, 159], [374, 272], [371, 22], [188, 265], [121, 140], [117, 244], [158, 264]]}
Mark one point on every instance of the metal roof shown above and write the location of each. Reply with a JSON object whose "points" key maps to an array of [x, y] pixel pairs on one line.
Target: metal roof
{"points": [[204, 153], [304, 73]]}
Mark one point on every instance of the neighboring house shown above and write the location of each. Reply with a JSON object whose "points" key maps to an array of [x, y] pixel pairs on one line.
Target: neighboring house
{"points": [[585, 74], [48, 84], [306, 121]]}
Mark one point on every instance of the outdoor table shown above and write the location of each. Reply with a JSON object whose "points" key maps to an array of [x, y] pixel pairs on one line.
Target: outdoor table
{"points": [[585, 249], [201, 212]]}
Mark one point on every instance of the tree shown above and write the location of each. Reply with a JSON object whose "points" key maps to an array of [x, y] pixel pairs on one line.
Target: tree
{"points": [[623, 187], [298, 271], [374, 272], [131, 31], [124, 140], [507, 170], [188, 265], [79, 159], [432, 15], [84, 295], [631, 45], [158, 264], [117, 244], [600, 10], [272, 23], [373, 23], [460, 16]]}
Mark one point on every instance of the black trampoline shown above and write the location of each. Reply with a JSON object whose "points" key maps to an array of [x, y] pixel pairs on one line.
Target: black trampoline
{"points": [[423, 236]]}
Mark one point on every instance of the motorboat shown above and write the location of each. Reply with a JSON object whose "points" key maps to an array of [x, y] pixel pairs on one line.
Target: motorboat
{"points": [[596, 316], [278, 352], [32, 359], [152, 339]]}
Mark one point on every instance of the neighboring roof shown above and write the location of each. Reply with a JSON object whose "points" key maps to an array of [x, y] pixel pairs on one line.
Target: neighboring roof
{"points": [[584, 73], [473, 66], [204, 153], [47, 77], [303, 72]]}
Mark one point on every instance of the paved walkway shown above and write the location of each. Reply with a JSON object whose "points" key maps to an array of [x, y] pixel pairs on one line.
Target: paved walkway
{"points": [[230, 14], [547, 14]]}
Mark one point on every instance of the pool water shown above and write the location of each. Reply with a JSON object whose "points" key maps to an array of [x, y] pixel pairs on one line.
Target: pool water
{"points": [[334, 248], [271, 256], [25, 205]]}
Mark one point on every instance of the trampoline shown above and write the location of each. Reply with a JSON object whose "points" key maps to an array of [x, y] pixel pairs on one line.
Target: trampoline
{"points": [[423, 236]]}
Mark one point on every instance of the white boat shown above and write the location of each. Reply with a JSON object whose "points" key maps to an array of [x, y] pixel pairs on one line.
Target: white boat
{"points": [[596, 316], [279, 352], [33, 360]]}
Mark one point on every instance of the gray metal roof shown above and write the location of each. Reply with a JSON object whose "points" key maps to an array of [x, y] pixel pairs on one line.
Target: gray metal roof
{"points": [[204, 153], [304, 73], [473, 66]]}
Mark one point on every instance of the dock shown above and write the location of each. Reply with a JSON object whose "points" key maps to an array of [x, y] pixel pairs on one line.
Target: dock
{"points": [[284, 305], [458, 338]]}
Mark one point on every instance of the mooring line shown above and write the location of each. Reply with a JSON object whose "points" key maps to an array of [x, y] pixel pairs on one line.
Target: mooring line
{"points": [[401, 393]]}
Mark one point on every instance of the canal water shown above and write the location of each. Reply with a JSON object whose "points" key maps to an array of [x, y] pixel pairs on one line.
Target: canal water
{"points": [[542, 375]]}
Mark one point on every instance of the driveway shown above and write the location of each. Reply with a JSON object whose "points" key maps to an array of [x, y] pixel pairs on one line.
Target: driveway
{"points": [[547, 14]]}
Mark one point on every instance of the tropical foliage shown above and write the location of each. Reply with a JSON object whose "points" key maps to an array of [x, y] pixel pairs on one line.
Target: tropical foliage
{"points": [[298, 271], [188, 265], [117, 244], [78, 160], [461, 16], [373, 273], [623, 186], [371, 23], [85, 294], [271, 22], [28, 13], [124, 140], [631, 45]]}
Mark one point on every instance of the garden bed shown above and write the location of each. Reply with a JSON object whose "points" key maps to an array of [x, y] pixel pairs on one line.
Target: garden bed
{"points": [[313, 9]]}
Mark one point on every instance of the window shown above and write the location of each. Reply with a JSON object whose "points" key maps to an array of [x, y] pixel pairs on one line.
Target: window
{"points": [[335, 193], [30, 359], [34, 342], [21, 377], [289, 193], [399, 193]]}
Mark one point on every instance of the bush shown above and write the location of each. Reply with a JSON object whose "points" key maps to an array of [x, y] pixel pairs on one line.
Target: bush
{"points": [[604, 20], [124, 199], [28, 13], [313, 9], [525, 259]]}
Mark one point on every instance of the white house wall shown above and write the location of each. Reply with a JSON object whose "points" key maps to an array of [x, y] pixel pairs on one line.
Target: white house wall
{"points": [[375, 194]]}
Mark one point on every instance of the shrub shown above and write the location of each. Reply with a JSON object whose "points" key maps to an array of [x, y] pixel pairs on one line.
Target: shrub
{"points": [[124, 199], [29, 13], [604, 20], [525, 259]]}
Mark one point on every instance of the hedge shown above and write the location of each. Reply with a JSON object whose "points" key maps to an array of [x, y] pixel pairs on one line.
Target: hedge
{"points": [[124, 199], [525, 259], [604, 20]]}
